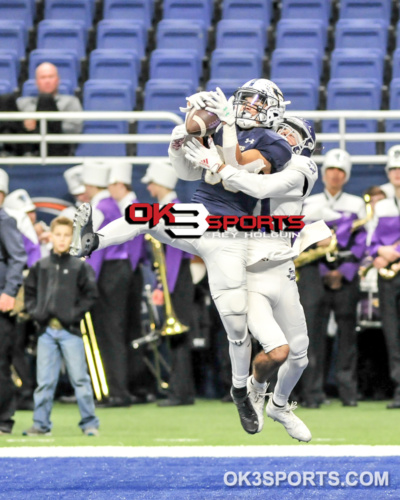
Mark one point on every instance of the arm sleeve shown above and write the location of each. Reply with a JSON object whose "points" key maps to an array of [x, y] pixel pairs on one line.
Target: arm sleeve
{"points": [[183, 167], [72, 126], [11, 240], [286, 183]]}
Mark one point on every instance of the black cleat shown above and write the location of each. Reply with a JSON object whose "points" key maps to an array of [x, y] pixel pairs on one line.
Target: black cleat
{"points": [[247, 414], [84, 240]]}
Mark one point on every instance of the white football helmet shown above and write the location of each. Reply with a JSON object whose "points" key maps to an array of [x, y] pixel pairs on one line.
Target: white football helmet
{"points": [[258, 103], [301, 131], [393, 158], [337, 158]]}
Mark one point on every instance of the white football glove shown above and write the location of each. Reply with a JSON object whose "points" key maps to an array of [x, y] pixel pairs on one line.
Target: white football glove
{"points": [[196, 101], [178, 136], [208, 159], [222, 107]]}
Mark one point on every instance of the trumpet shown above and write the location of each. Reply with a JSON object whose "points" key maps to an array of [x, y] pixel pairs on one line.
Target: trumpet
{"points": [[171, 326], [95, 364]]}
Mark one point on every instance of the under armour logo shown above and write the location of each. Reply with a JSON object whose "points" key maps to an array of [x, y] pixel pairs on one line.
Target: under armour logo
{"points": [[291, 275], [250, 141]]}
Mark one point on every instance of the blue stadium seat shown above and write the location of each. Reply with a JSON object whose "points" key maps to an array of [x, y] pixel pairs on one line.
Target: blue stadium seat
{"points": [[13, 38], [9, 69], [57, 35], [353, 63], [231, 64], [153, 149], [296, 64], [21, 10], [366, 9], [303, 94], [80, 11], [67, 64], [5, 87], [361, 34], [29, 88], [248, 9], [189, 9], [396, 64], [234, 34], [173, 34], [103, 149], [108, 95], [350, 94], [162, 95], [167, 95], [398, 35], [114, 65], [306, 9], [227, 86], [291, 34], [133, 10], [122, 35], [394, 104], [175, 64]]}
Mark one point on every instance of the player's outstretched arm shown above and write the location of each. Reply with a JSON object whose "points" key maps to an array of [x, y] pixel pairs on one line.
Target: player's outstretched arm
{"points": [[183, 168]]}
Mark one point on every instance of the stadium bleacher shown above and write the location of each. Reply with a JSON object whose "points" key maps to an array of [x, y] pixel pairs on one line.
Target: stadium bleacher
{"points": [[313, 49]]}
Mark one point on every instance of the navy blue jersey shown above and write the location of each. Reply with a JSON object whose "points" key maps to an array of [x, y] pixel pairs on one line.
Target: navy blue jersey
{"points": [[212, 192]]}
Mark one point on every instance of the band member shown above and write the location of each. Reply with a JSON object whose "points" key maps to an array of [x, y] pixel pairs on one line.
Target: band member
{"points": [[161, 179], [385, 247], [113, 271], [140, 382], [12, 262], [337, 289]]}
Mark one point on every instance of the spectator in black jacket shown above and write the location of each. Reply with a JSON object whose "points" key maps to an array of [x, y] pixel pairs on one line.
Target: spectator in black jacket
{"points": [[12, 262], [58, 292]]}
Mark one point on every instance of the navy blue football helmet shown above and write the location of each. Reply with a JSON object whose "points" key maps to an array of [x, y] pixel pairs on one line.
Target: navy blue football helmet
{"points": [[299, 133]]}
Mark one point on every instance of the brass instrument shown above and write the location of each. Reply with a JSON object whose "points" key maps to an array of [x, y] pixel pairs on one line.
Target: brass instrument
{"points": [[361, 222], [171, 326], [389, 272], [331, 252], [152, 339], [316, 253], [93, 357]]}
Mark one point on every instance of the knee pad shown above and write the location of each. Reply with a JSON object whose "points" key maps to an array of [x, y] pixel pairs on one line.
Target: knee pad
{"points": [[298, 347], [231, 302]]}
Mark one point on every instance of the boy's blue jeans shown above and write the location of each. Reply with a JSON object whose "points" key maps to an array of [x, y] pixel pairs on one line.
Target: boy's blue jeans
{"points": [[53, 346]]}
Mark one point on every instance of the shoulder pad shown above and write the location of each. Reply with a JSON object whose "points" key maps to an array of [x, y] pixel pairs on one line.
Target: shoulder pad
{"points": [[307, 167]]}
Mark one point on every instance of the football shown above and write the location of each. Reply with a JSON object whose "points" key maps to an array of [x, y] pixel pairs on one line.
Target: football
{"points": [[201, 123]]}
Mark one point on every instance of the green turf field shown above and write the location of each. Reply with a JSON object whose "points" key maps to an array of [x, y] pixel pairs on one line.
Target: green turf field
{"points": [[211, 423]]}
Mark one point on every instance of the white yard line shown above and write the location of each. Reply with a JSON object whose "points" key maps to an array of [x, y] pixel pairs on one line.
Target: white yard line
{"points": [[202, 451]]}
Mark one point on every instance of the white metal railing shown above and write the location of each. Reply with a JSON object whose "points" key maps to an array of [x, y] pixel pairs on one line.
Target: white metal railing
{"points": [[132, 116], [43, 138]]}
